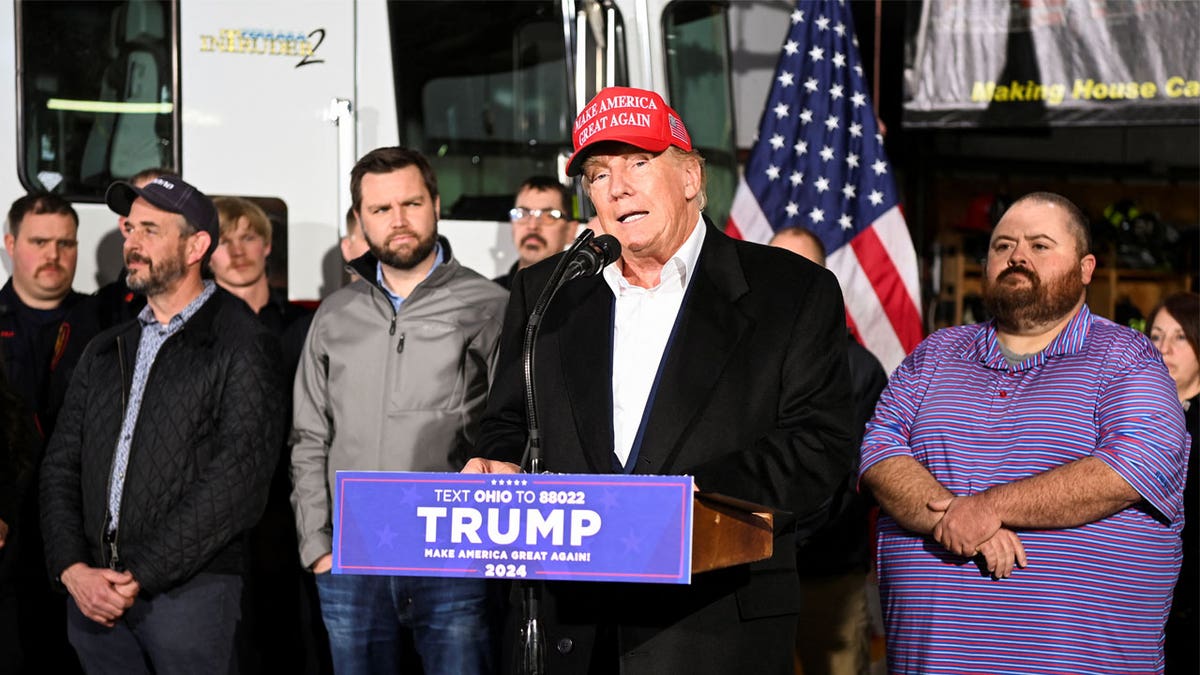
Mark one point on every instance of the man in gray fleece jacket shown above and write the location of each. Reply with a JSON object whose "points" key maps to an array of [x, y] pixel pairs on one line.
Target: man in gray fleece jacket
{"points": [[394, 377]]}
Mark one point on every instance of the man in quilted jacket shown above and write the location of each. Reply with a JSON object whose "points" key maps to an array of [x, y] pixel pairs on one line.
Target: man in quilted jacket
{"points": [[163, 453]]}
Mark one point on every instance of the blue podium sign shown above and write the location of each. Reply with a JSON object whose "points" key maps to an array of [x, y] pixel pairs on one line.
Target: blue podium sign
{"points": [[547, 526]]}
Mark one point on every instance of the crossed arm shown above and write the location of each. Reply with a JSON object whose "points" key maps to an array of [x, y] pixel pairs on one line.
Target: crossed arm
{"points": [[1070, 495], [907, 491]]}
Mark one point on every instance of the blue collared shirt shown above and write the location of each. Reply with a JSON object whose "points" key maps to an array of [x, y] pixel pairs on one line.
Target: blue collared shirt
{"points": [[154, 334], [396, 299]]}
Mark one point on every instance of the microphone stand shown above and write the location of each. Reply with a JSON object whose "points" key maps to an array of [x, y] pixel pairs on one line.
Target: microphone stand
{"points": [[532, 656]]}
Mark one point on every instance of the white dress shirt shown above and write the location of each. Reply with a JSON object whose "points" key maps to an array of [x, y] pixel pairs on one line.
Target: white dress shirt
{"points": [[642, 324]]}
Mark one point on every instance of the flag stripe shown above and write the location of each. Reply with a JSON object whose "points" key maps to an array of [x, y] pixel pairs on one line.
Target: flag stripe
{"points": [[888, 286], [752, 223], [865, 310]]}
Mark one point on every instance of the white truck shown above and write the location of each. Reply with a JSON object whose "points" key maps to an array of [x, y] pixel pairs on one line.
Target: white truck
{"points": [[276, 99]]}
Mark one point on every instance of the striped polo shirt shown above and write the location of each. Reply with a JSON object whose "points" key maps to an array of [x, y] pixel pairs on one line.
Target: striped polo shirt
{"points": [[1093, 599]]}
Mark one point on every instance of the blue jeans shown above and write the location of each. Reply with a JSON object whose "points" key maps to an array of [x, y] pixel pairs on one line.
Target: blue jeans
{"points": [[449, 619]]}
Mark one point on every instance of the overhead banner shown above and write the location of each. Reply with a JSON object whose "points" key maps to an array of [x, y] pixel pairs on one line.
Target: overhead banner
{"points": [[1021, 63]]}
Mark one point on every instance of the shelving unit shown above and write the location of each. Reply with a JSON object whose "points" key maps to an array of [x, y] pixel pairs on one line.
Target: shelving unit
{"points": [[961, 275]]}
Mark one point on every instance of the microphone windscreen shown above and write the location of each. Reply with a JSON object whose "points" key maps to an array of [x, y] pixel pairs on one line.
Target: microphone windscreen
{"points": [[609, 247]]}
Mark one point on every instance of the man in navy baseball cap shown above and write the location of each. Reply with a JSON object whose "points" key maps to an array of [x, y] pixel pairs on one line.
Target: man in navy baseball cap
{"points": [[169, 193], [164, 453]]}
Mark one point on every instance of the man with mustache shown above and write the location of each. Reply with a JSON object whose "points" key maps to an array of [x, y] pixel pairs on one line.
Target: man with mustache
{"points": [[1031, 471], [44, 327], [394, 377], [541, 223], [163, 453]]}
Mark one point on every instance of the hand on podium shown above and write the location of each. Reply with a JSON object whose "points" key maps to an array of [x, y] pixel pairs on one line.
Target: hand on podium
{"points": [[481, 465]]}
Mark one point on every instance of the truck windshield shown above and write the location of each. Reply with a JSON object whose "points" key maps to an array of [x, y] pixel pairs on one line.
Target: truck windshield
{"points": [[698, 77], [482, 89], [96, 87]]}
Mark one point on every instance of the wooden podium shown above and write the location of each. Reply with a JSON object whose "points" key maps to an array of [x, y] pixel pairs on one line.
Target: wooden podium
{"points": [[728, 531]]}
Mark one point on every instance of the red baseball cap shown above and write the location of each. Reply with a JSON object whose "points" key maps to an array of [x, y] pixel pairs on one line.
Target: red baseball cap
{"points": [[638, 117]]}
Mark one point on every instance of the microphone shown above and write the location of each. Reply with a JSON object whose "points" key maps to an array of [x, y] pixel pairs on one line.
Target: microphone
{"points": [[592, 257]]}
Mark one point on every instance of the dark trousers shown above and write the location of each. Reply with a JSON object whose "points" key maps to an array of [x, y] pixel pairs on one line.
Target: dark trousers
{"points": [[188, 629]]}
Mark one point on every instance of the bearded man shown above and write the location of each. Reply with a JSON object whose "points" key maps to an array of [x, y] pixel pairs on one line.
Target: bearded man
{"points": [[394, 377], [163, 453], [1030, 471]]}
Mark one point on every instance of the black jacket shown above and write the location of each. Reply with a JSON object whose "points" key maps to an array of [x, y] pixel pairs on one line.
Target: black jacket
{"points": [[207, 437], [42, 380], [753, 399]]}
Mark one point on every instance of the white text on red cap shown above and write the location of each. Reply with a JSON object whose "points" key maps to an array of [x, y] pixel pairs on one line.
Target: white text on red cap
{"points": [[604, 105]]}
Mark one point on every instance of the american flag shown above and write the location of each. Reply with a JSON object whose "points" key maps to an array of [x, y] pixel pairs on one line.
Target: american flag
{"points": [[819, 163]]}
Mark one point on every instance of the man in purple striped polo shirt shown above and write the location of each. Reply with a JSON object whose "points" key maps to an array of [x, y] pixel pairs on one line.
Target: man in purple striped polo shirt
{"points": [[1030, 470]]}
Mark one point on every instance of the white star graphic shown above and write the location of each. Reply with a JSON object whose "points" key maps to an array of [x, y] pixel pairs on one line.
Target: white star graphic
{"points": [[816, 215], [848, 191], [878, 138], [822, 184], [777, 141], [792, 209], [852, 160], [840, 29], [791, 47], [831, 122], [772, 172], [801, 147], [856, 130], [858, 70], [797, 17], [797, 178], [805, 116], [836, 92], [823, 23], [880, 167], [876, 197], [859, 99], [781, 111], [846, 222], [827, 153], [816, 54], [839, 59], [811, 84], [786, 79]]}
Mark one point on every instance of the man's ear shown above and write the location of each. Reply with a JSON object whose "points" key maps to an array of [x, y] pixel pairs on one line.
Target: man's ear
{"points": [[693, 175], [197, 246], [1087, 266], [9, 242]]}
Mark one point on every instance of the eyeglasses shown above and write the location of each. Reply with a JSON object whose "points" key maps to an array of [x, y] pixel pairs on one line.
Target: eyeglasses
{"points": [[521, 213]]}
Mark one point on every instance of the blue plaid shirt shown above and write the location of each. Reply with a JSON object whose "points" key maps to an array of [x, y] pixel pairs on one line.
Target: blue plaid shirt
{"points": [[154, 334]]}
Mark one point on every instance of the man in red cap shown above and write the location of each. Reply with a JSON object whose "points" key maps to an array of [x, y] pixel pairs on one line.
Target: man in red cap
{"points": [[693, 354]]}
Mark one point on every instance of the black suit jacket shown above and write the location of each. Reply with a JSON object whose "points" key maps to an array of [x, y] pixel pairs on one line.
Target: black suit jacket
{"points": [[754, 401]]}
